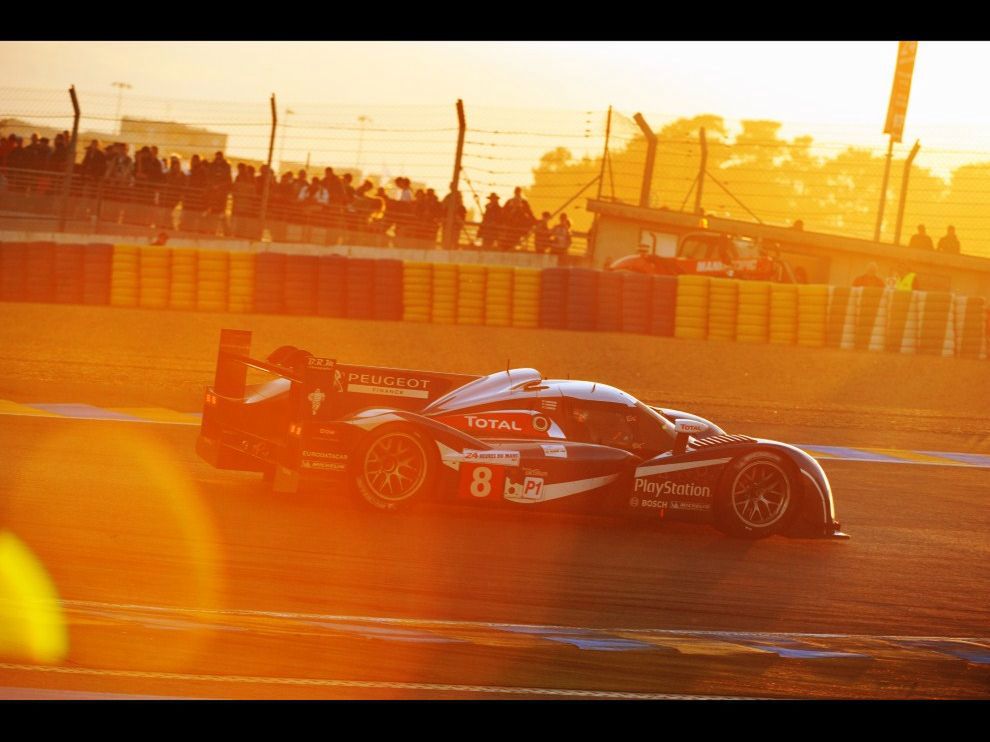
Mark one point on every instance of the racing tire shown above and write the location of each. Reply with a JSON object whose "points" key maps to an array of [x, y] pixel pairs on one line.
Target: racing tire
{"points": [[758, 496], [395, 467]]}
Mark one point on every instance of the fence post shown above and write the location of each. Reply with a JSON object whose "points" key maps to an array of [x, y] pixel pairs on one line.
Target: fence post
{"points": [[701, 171], [904, 188], [651, 153], [70, 162], [883, 190], [267, 185], [449, 238], [608, 133]]}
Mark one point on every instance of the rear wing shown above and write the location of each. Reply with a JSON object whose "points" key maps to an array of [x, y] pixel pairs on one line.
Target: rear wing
{"points": [[325, 389]]}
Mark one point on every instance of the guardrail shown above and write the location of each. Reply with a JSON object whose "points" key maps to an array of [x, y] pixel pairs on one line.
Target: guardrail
{"points": [[35, 198], [687, 306]]}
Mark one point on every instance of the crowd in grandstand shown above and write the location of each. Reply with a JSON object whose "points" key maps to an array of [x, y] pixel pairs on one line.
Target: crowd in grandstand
{"points": [[213, 197]]}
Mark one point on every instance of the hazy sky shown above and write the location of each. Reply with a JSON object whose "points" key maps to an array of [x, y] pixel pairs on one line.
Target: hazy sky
{"points": [[835, 91], [814, 82]]}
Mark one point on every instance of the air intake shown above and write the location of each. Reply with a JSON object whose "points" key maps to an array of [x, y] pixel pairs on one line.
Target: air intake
{"points": [[722, 440]]}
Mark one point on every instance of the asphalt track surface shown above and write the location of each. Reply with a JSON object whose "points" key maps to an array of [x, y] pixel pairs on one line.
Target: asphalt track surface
{"points": [[177, 580]]}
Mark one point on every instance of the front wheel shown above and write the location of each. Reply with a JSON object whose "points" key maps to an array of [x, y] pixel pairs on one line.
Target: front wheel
{"points": [[758, 496], [395, 467]]}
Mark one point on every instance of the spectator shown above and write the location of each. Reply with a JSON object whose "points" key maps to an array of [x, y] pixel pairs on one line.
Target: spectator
{"points": [[542, 237], [870, 278], [175, 185], [60, 155], [6, 147], [798, 225], [453, 200], [194, 198], [335, 187], [517, 219], [16, 164], [949, 243], [42, 164], [94, 167], [490, 223], [561, 236], [119, 173], [921, 241]]}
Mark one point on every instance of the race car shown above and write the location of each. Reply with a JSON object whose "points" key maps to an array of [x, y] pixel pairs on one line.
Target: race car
{"points": [[396, 438]]}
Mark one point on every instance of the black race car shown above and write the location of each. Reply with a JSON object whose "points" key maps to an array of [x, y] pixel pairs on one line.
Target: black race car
{"points": [[397, 437]]}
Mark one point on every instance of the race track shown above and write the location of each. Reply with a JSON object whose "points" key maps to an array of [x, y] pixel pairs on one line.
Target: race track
{"points": [[177, 580]]}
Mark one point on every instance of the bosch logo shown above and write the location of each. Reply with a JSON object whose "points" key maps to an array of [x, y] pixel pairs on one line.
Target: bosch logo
{"points": [[541, 423], [634, 502]]}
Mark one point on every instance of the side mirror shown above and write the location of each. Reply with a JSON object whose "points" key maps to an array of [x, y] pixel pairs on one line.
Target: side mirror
{"points": [[684, 428]]}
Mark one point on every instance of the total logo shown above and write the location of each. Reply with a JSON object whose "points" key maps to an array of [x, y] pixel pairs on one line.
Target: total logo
{"points": [[492, 423], [671, 488]]}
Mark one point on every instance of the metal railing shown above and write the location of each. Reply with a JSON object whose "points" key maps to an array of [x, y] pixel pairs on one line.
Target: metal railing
{"points": [[38, 200]]}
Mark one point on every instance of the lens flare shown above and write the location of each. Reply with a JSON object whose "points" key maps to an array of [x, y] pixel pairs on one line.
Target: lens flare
{"points": [[32, 626]]}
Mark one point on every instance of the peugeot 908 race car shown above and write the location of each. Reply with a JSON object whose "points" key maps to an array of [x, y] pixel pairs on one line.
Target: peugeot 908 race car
{"points": [[396, 438]]}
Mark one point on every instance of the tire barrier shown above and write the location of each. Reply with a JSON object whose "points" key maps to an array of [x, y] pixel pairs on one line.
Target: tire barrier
{"points": [[637, 294], [240, 293], [898, 308], [69, 274], [417, 291], [783, 314], [498, 296], [526, 283], [723, 308], [812, 315], [840, 322], [663, 305], [691, 314], [184, 273], [360, 278], [269, 283], [13, 261], [471, 294], [609, 317], [444, 309], [553, 298], [970, 329], [685, 306], [97, 265], [331, 286], [154, 277], [936, 334], [753, 320], [871, 317], [302, 273], [124, 282], [387, 300], [39, 272], [582, 299], [212, 278]]}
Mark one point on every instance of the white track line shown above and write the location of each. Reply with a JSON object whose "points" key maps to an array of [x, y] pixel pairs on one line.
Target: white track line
{"points": [[367, 684], [424, 622]]}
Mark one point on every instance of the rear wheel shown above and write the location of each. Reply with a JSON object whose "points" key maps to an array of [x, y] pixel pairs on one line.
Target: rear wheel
{"points": [[758, 496], [395, 467]]}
